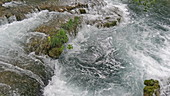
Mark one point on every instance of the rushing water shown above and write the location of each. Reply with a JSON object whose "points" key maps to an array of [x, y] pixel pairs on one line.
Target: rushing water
{"points": [[116, 61], [108, 61]]}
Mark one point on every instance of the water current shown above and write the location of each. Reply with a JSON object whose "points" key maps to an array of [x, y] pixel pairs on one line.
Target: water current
{"points": [[107, 61]]}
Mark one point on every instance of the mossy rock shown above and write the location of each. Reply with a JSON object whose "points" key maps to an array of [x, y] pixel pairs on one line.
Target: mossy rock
{"points": [[149, 82], [71, 25], [152, 88], [55, 52], [52, 45]]}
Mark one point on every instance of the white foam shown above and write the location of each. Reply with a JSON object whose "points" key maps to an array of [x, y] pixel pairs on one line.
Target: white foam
{"points": [[13, 4], [11, 34], [59, 87], [122, 7]]}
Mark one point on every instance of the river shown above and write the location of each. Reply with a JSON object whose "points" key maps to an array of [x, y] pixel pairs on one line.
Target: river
{"points": [[104, 61]]}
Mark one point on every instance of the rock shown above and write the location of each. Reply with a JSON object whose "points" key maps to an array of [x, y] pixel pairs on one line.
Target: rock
{"points": [[52, 44], [47, 29], [1, 3], [55, 52], [110, 24], [39, 45], [152, 88], [51, 7], [19, 84], [82, 11], [104, 16], [23, 77]]}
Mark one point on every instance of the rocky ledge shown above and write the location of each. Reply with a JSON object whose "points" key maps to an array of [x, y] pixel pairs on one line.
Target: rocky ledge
{"points": [[95, 13]]}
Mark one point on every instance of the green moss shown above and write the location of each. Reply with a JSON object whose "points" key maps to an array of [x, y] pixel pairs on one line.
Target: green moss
{"points": [[149, 82], [71, 25], [149, 90], [53, 45], [152, 87], [70, 46], [56, 41], [55, 52]]}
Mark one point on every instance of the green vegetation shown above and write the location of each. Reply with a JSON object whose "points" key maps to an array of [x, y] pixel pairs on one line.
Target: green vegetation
{"points": [[53, 45], [152, 87], [70, 46], [58, 39], [56, 43], [71, 25]]}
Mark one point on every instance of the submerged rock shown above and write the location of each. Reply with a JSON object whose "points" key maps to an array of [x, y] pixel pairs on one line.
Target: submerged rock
{"points": [[19, 84], [152, 88]]}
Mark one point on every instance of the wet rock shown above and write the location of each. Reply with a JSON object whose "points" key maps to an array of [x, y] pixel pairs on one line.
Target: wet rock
{"points": [[58, 8], [39, 45], [47, 29], [109, 24], [103, 16], [5, 90], [82, 11], [18, 12], [55, 52], [18, 84], [23, 77], [56, 36], [152, 88]]}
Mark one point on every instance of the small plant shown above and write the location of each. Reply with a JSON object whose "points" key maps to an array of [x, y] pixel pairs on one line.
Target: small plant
{"points": [[70, 46], [72, 24], [58, 39]]}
